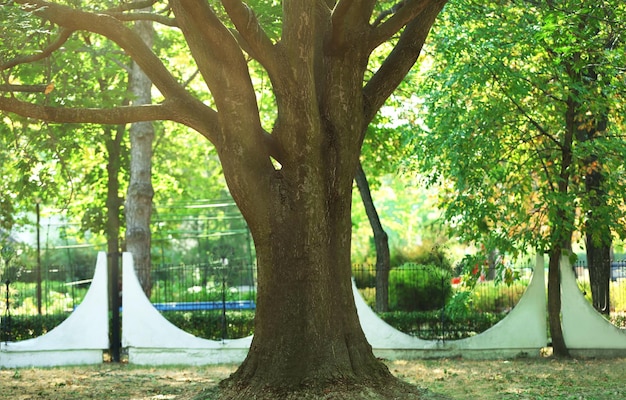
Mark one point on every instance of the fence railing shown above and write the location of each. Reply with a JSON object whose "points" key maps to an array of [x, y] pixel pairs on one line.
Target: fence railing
{"points": [[213, 300], [217, 300], [33, 302], [432, 303], [617, 288]]}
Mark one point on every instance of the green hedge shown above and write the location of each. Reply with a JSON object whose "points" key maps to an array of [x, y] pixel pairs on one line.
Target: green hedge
{"points": [[24, 327], [419, 287], [209, 325], [433, 325]]}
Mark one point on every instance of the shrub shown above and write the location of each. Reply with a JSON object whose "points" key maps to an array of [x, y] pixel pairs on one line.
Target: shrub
{"points": [[23, 327], [418, 287], [364, 275], [209, 324], [492, 296], [437, 325]]}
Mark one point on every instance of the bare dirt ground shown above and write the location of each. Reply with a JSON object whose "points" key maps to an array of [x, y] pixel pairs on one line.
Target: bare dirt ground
{"points": [[543, 378]]}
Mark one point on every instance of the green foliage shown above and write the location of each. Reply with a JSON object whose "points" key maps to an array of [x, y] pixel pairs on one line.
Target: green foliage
{"points": [[496, 109], [425, 254], [433, 325], [27, 327], [210, 324], [418, 287]]}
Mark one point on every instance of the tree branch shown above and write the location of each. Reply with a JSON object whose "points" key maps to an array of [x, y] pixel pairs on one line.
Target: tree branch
{"points": [[117, 115], [115, 30], [400, 60], [23, 88], [259, 45], [387, 13], [52, 47], [133, 5], [340, 19], [225, 70], [144, 16], [406, 11]]}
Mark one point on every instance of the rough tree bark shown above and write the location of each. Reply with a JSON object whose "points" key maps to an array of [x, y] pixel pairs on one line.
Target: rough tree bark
{"points": [[597, 239], [140, 191], [381, 242]]}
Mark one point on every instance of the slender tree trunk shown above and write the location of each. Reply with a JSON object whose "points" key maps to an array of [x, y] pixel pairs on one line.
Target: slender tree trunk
{"points": [[381, 241], [561, 222], [559, 347], [140, 191], [114, 204]]}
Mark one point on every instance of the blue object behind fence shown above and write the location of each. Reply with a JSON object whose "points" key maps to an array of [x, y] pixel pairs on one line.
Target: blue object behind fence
{"points": [[206, 305]]}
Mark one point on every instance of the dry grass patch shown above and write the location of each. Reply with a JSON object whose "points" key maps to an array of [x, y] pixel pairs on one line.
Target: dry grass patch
{"points": [[544, 378]]}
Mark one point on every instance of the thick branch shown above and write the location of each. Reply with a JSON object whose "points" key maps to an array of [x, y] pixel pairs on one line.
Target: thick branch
{"points": [[52, 47], [118, 115], [407, 11], [400, 60], [134, 5], [258, 43], [115, 30], [350, 19], [144, 16], [222, 65], [23, 88], [338, 19]]}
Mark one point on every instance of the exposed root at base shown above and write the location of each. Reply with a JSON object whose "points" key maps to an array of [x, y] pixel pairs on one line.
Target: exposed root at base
{"points": [[396, 390]]}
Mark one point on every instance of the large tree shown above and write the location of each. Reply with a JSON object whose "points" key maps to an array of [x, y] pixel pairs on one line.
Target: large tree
{"points": [[292, 182]]}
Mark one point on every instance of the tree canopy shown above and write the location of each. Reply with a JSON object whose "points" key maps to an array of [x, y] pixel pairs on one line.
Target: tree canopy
{"points": [[289, 166], [525, 113]]}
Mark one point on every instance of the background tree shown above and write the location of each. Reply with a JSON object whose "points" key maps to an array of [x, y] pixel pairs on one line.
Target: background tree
{"points": [[293, 185], [520, 139], [140, 191]]}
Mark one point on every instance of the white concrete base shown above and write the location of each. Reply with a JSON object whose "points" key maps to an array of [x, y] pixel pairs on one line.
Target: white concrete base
{"points": [[153, 340], [586, 332], [80, 339], [522, 333]]}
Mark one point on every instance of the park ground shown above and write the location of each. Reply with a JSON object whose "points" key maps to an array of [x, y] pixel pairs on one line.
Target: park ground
{"points": [[544, 378]]}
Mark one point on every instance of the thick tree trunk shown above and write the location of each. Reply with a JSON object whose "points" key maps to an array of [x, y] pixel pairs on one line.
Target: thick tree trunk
{"points": [[305, 297], [140, 191], [381, 242]]}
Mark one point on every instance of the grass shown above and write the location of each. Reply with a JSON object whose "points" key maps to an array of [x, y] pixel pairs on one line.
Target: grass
{"points": [[543, 378]]}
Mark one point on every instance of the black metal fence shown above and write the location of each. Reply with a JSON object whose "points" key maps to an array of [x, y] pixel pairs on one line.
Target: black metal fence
{"points": [[432, 303], [617, 288], [217, 300], [214, 300], [36, 299]]}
